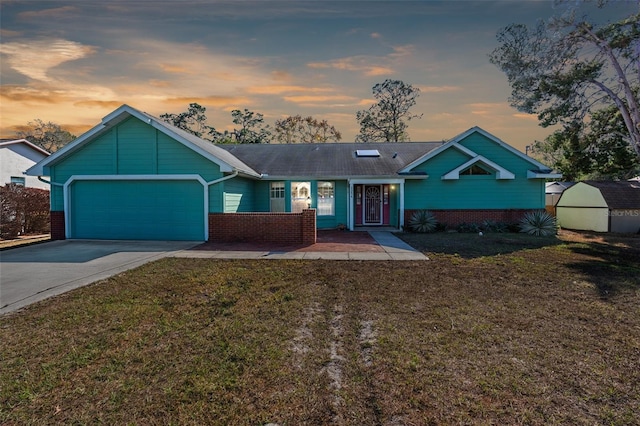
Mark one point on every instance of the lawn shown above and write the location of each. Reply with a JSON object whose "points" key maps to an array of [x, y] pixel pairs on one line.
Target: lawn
{"points": [[494, 329]]}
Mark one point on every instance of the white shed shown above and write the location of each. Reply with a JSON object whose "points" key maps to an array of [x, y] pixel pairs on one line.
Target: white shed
{"points": [[601, 206]]}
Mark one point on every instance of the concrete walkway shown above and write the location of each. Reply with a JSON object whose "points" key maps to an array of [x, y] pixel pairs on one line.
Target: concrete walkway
{"points": [[394, 249]]}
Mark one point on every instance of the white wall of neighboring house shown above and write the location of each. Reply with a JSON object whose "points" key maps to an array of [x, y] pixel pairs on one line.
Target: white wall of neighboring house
{"points": [[15, 158]]}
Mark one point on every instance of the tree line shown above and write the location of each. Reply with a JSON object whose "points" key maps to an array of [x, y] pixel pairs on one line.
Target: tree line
{"points": [[385, 121]]}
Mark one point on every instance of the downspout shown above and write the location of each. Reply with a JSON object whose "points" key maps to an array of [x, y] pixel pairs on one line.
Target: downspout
{"points": [[209, 184], [50, 183], [222, 179]]}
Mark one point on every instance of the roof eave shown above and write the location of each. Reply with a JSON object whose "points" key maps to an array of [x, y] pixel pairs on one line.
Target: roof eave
{"points": [[537, 174]]}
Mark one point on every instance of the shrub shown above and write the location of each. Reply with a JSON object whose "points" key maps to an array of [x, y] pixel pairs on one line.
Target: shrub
{"points": [[469, 228], [23, 211], [493, 226], [423, 221], [539, 223]]}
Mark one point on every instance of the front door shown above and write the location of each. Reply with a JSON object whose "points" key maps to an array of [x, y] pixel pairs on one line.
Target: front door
{"points": [[372, 208]]}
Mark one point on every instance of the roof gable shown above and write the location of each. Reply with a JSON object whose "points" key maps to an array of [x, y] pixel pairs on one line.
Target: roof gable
{"points": [[24, 143], [538, 170], [226, 162]]}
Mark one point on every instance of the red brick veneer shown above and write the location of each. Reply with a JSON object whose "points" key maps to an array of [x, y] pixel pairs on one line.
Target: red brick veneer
{"points": [[57, 226], [453, 218], [276, 228]]}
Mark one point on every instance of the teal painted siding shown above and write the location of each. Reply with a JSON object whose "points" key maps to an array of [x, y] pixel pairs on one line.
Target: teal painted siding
{"points": [[496, 153], [134, 147], [145, 210], [261, 196], [175, 158], [238, 195], [475, 192], [93, 159]]}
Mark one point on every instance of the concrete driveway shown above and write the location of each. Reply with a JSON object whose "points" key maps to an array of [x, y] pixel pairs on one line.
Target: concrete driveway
{"points": [[33, 273]]}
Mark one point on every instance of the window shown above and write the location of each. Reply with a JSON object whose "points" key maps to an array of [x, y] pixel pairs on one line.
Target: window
{"points": [[18, 180], [326, 200], [300, 196], [277, 197], [474, 170]]}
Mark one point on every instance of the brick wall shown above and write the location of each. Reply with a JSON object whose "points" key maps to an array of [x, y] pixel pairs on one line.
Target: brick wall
{"points": [[57, 226], [453, 218], [276, 228]]}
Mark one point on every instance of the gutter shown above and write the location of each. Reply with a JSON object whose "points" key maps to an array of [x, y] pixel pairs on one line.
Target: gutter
{"points": [[231, 176], [50, 183]]}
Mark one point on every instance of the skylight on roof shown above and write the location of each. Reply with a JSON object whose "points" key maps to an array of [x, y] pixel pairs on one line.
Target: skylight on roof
{"points": [[367, 153]]}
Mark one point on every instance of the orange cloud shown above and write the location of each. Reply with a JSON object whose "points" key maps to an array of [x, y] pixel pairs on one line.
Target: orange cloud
{"points": [[439, 89], [159, 83], [279, 89], [98, 104], [175, 69], [217, 101], [29, 95], [281, 75], [317, 98]]}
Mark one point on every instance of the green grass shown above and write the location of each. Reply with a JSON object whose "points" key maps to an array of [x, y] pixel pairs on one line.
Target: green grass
{"points": [[546, 332]]}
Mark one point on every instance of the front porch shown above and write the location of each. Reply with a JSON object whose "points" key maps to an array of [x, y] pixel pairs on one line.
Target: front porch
{"points": [[376, 204]]}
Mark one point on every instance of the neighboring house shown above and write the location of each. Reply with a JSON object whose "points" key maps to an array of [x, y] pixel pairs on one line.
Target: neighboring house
{"points": [[136, 177], [601, 206], [16, 156], [553, 191]]}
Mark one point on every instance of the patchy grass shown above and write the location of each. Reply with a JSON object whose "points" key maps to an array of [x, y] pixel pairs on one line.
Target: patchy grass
{"points": [[543, 333], [470, 245]]}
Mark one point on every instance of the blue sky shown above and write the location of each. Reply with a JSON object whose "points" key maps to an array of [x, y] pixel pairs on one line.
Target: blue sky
{"points": [[73, 62]]}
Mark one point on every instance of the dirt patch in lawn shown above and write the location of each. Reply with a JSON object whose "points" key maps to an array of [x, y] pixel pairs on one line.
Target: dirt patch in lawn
{"points": [[529, 336]]}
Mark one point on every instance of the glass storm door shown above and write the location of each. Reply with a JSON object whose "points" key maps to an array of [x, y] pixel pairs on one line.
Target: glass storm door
{"points": [[372, 211]]}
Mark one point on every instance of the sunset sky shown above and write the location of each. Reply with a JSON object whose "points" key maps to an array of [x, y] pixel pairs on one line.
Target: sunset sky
{"points": [[73, 62]]}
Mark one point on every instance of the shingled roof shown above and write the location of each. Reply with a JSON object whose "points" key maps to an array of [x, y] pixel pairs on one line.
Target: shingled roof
{"points": [[329, 160], [618, 195]]}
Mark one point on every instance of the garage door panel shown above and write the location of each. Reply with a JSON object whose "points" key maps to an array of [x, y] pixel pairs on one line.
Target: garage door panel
{"points": [[145, 210]]}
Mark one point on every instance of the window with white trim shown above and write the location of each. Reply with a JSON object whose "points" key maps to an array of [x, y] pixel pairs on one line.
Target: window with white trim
{"points": [[326, 199], [277, 197]]}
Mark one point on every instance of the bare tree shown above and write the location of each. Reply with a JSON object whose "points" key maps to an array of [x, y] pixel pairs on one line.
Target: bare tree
{"points": [[48, 136]]}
